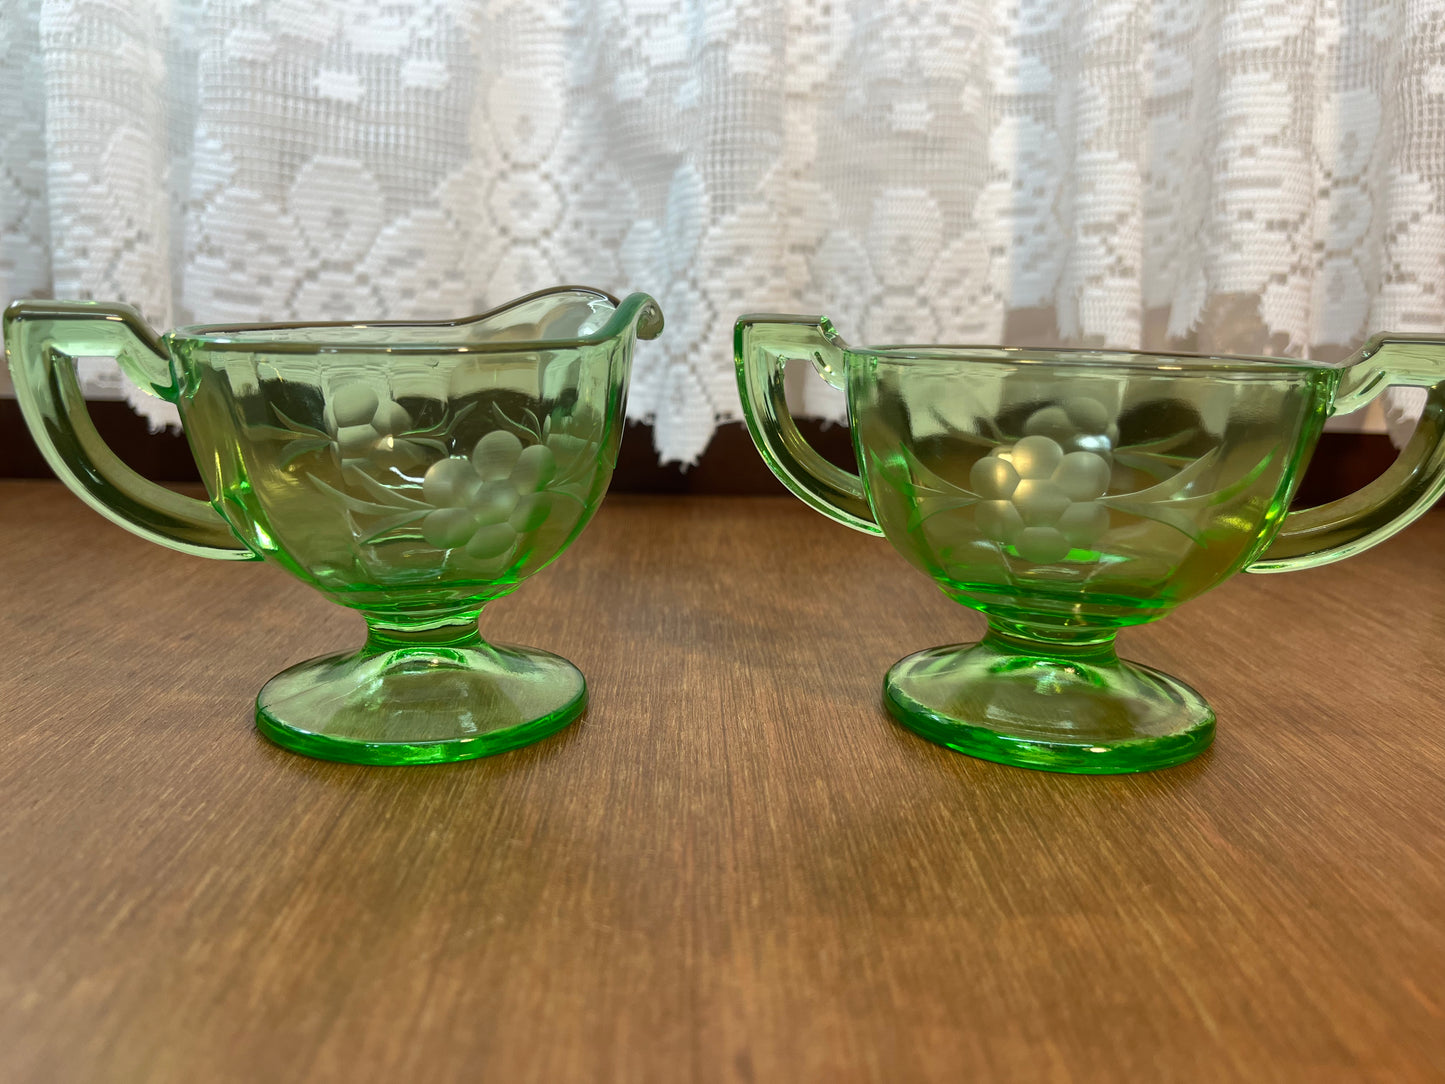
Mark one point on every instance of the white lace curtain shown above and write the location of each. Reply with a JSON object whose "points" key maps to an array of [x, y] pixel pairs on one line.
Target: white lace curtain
{"points": [[1246, 175]]}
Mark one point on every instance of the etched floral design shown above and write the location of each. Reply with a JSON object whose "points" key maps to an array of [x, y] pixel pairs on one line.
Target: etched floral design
{"points": [[372, 430], [1039, 499], [1046, 496], [484, 501], [478, 509], [1079, 424], [368, 431]]}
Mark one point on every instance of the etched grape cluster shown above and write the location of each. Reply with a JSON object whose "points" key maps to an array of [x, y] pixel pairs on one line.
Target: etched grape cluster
{"points": [[369, 428], [1041, 494], [486, 501]]}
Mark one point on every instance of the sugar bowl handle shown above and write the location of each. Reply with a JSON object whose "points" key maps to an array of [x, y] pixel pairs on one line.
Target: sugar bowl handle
{"points": [[762, 346], [42, 340], [1414, 482]]}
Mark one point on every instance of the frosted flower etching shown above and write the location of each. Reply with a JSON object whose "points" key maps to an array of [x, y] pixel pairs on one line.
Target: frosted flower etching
{"points": [[1046, 496], [484, 501]]}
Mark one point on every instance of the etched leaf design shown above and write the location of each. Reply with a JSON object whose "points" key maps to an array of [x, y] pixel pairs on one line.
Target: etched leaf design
{"points": [[387, 525], [925, 492], [355, 504], [302, 438], [519, 429], [394, 499], [913, 478], [296, 427], [1161, 504], [918, 517], [1153, 456], [431, 443], [1178, 514], [300, 446], [990, 440], [1228, 493], [451, 426], [1166, 489], [439, 436]]}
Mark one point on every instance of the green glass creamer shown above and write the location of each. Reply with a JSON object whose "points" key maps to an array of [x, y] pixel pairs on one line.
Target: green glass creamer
{"points": [[411, 471]]}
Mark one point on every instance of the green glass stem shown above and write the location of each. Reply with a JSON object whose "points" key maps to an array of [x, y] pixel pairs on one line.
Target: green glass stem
{"points": [[391, 632], [1084, 642]]}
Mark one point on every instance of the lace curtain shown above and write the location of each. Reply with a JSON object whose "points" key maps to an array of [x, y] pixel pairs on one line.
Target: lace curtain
{"points": [[1244, 175]]}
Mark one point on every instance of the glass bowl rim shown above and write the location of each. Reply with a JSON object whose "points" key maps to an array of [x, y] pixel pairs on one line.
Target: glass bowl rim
{"points": [[218, 336]]}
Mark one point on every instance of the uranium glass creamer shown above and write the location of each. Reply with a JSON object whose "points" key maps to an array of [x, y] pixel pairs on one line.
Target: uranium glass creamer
{"points": [[412, 472], [1070, 493]]}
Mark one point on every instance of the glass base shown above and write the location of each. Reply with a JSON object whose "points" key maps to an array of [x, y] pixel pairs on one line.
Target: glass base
{"points": [[1066, 710], [420, 705]]}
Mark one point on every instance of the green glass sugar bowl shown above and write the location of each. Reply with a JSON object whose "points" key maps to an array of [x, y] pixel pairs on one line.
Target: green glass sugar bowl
{"points": [[411, 471], [1067, 494]]}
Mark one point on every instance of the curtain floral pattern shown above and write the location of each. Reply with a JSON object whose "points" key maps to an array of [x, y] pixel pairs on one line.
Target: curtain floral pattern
{"points": [[1247, 175]]}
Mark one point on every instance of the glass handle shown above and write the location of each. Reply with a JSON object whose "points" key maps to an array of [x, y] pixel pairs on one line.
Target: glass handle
{"points": [[1414, 482], [43, 339], [762, 346]]}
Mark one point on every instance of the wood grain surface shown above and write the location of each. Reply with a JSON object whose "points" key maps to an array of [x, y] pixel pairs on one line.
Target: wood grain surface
{"points": [[735, 867]]}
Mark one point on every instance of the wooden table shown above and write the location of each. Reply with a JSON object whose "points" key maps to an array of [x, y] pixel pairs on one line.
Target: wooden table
{"points": [[735, 868]]}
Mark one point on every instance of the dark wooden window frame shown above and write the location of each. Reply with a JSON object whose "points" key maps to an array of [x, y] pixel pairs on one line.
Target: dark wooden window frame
{"points": [[730, 466]]}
